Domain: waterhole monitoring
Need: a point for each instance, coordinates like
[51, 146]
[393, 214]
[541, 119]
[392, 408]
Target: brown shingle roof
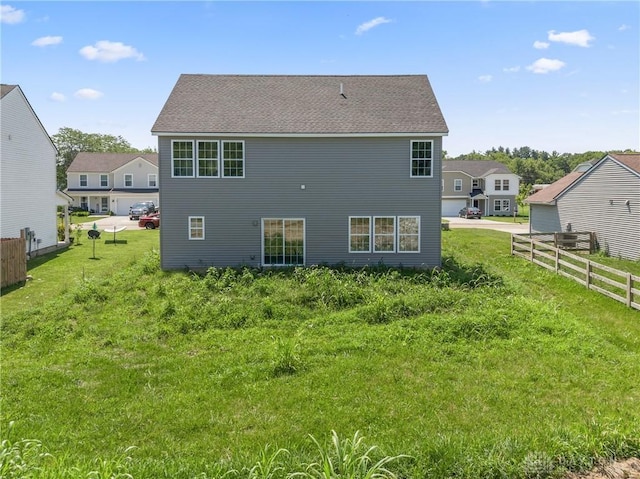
[297, 104]
[106, 162]
[475, 168]
[551, 192]
[631, 160]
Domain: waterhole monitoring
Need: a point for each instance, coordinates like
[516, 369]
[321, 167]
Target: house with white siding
[603, 198]
[485, 184]
[28, 193]
[112, 182]
[286, 170]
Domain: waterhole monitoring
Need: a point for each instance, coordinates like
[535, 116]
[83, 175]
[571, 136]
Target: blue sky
[554, 76]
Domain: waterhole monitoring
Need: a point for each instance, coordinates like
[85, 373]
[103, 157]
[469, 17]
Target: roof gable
[299, 105]
[86, 162]
[475, 168]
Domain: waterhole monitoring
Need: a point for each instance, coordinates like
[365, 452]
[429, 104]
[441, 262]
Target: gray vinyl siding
[342, 177]
[597, 203]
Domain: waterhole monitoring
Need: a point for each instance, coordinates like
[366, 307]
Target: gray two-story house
[283, 170]
[485, 184]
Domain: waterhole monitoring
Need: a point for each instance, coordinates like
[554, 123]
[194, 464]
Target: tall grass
[488, 367]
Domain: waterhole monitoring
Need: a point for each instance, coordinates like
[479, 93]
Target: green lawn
[491, 367]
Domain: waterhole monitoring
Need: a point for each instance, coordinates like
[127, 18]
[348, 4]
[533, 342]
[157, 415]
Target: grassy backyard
[491, 367]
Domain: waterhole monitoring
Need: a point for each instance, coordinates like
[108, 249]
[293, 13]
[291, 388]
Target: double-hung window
[359, 234]
[152, 180]
[208, 159]
[182, 158]
[501, 205]
[457, 185]
[384, 234]
[498, 185]
[196, 227]
[421, 158]
[83, 180]
[408, 234]
[233, 159]
[505, 185]
[128, 180]
[104, 181]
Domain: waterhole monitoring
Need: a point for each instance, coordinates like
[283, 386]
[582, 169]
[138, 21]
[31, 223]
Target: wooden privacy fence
[13, 257]
[616, 284]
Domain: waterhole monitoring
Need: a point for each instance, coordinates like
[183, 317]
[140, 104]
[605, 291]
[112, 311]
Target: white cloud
[88, 94]
[45, 41]
[55, 96]
[371, 24]
[580, 38]
[8, 14]
[546, 65]
[538, 45]
[511, 69]
[485, 78]
[108, 52]
[622, 28]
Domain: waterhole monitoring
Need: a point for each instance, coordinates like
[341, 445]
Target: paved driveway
[110, 221]
[455, 222]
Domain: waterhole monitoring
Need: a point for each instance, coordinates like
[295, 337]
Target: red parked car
[150, 222]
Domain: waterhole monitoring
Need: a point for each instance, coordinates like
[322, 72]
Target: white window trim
[497, 185]
[221, 161]
[197, 165]
[350, 235]
[457, 184]
[508, 205]
[100, 178]
[398, 234]
[86, 180]
[193, 159]
[155, 176]
[304, 241]
[124, 180]
[411, 175]
[190, 228]
[505, 185]
[373, 234]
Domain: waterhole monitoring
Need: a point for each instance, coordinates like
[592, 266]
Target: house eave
[298, 135]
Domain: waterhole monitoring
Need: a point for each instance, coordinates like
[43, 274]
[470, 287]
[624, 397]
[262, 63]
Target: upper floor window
[421, 158]
[233, 159]
[502, 185]
[457, 185]
[83, 180]
[104, 181]
[182, 158]
[208, 159]
[128, 180]
[152, 180]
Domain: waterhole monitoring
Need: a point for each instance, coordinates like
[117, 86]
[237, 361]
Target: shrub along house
[603, 198]
[297, 170]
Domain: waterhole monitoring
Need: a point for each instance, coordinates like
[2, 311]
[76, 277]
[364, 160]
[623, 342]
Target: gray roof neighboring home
[475, 168]
[4, 89]
[106, 162]
[301, 105]
[551, 193]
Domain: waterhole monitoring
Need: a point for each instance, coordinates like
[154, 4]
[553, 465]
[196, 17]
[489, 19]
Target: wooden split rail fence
[541, 250]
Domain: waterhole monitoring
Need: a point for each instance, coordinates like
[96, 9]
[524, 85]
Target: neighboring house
[487, 185]
[28, 197]
[603, 198]
[299, 170]
[112, 182]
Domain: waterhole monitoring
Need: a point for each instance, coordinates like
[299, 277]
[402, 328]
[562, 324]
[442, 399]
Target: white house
[28, 175]
[112, 182]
